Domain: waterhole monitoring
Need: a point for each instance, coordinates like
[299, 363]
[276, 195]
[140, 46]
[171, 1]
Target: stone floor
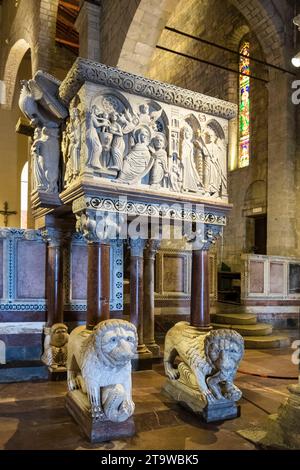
[33, 416]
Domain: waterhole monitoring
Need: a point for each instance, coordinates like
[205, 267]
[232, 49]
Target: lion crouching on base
[212, 358]
[99, 364]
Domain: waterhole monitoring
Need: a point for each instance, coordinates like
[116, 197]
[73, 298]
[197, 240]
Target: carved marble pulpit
[114, 148]
[128, 157]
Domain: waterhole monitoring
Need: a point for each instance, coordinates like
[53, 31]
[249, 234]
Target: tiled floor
[33, 415]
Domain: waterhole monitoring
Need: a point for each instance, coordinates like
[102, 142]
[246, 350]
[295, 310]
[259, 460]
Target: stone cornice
[84, 70]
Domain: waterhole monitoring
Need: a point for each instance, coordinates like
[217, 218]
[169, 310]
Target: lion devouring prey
[211, 358]
[99, 364]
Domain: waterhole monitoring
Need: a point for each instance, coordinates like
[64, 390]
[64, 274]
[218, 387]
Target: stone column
[150, 251]
[136, 292]
[98, 283]
[200, 290]
[56, 333]
[94, 228]
[54, 277]
[88, 26]
[201, 242]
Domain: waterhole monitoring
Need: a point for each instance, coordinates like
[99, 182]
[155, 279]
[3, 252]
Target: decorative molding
[131, 208]
[87, 70]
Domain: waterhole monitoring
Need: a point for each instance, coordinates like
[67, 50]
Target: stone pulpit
[130, 158]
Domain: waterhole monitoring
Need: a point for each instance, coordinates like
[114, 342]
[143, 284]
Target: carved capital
[54, 237]
[204, 237]
[137, 246]
[97, 226]
[151, 248]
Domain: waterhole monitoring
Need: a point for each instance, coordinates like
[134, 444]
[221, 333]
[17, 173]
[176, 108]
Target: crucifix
[6, 213]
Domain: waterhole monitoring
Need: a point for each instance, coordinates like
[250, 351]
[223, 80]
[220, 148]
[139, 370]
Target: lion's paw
[97, 413]
[233, 394]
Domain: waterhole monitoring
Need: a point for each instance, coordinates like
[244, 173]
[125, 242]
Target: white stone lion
[209, 360]
[99, 364]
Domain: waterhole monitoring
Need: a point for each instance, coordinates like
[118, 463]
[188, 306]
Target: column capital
[204, 237]
[54, 236]
[137, 246]
[96, 226]
[151, 248]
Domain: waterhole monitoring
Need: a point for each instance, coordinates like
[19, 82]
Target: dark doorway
[256, 230]
[260, 235]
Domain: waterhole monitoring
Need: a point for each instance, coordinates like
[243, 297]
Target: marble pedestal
[281, 430]
[142, 360]
[193, 401]
[95, 430]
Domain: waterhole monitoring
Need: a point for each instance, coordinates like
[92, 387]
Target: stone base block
[57, 374]
[281, 430]
[155, 350]
[23, 371]
[142, 361]
[193, 401]
[96, 430]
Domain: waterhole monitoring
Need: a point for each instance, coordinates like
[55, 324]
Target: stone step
[23, 371]
[266, 342]
[259, 329]
[233, 318]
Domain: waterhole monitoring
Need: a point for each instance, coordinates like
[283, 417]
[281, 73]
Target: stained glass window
[244, 105]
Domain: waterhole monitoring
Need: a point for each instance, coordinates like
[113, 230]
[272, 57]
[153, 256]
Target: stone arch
[266, 24]
[2, 352]
[143, 34]
[150, 19]
[256, 194]
[14, 59]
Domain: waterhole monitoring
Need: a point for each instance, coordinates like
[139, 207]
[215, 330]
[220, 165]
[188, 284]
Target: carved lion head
[115, 342]
[224, 350]
[59, 335]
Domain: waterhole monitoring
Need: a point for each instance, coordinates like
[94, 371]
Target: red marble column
[98, 283]
[149, 279]
[54, 278]
[200, 290]
[136, 291]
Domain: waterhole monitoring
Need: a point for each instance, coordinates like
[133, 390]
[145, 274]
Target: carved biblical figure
[213, 152]
[56, 346]
[191, 180]
[117, 144]
[138, 162]
[45, 159]
[209, 361]
[74, 146]
[99, 364]
[94, 146]
[159, 170]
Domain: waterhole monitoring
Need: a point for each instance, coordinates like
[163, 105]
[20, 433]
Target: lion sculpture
[56, 346]
[210, 361]
[99, 364]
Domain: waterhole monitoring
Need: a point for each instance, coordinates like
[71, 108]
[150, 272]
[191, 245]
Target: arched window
[24, 195]
[244, 106]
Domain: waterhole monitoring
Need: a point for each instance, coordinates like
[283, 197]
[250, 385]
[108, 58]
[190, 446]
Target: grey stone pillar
[282, 171]
[150, 251]
[88, 26]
